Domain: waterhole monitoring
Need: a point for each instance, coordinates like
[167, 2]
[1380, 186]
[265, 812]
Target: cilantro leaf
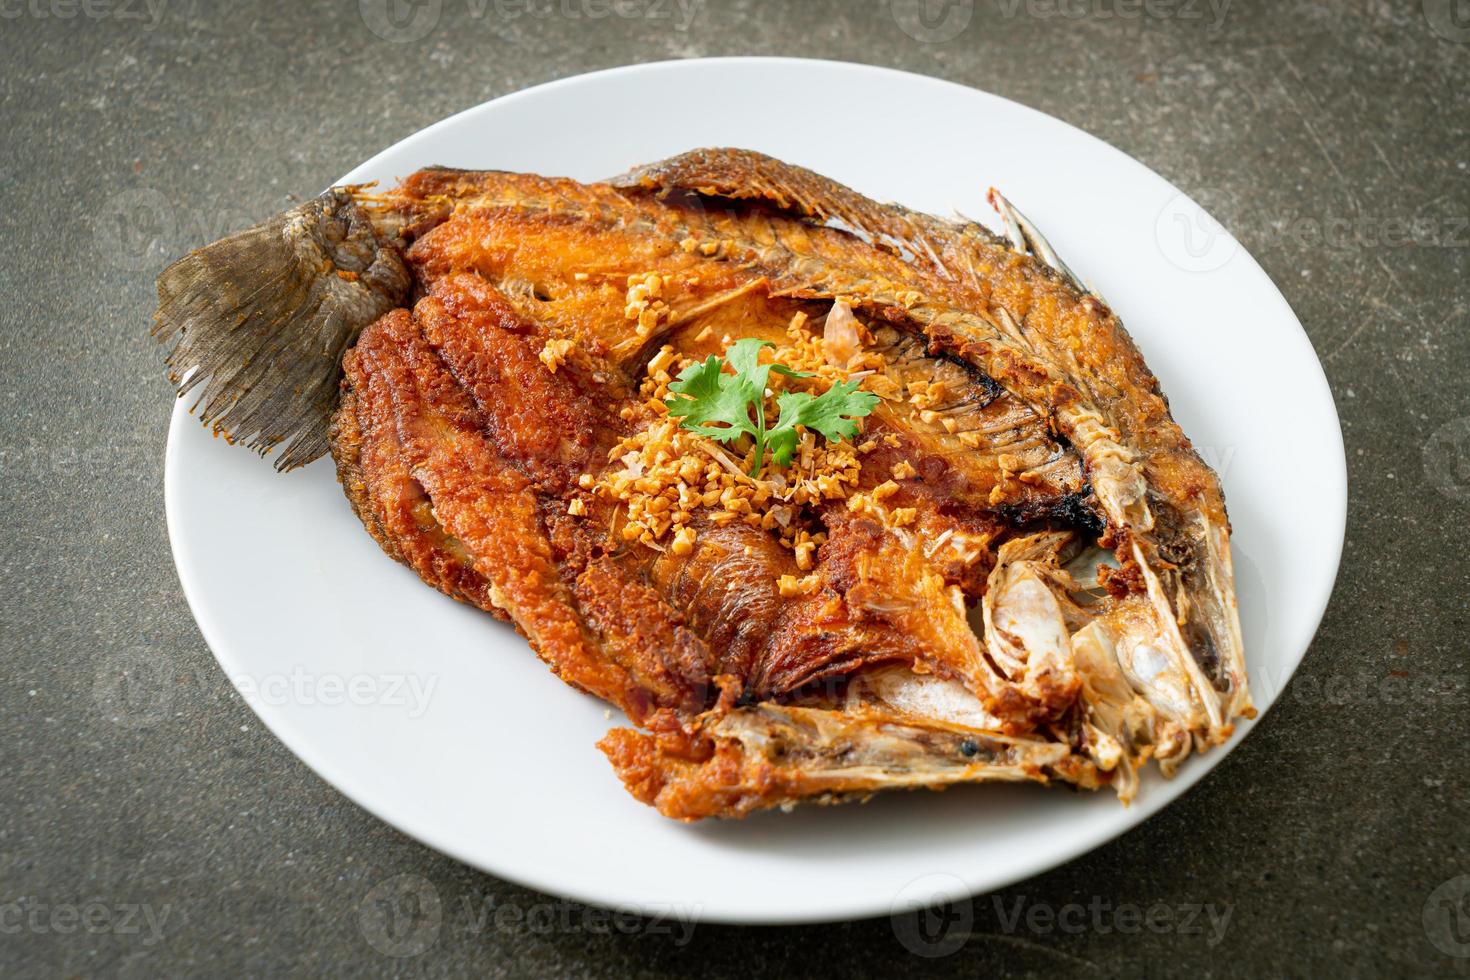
[831, 414]
[725, 407]
[744, 355]
[710, 395]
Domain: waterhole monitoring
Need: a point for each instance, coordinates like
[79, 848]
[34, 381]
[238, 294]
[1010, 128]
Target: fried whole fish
[1018, 570]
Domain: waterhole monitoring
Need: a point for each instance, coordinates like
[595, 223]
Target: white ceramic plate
[490, 759]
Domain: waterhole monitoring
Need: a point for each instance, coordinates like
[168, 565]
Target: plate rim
[959, 886]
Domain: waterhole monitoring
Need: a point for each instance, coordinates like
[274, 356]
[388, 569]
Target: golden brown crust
[393, 506]
[476, 433]
[481, 500]
[978, 271]
[469, 428]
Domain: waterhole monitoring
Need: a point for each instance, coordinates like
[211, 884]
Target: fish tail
[259, 321]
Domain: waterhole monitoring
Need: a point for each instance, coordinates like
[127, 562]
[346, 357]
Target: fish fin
[928, 241]
[745, 175]
[259, 321]
[1025, 238]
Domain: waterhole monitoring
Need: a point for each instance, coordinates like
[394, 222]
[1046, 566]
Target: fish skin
[396, 510]
[472, 492]
[1065, 353]
[433, 379]
[822, 263]
[499, 243]
[532, 228]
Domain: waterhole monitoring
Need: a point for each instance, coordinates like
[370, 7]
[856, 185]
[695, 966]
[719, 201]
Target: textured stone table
[181, 838]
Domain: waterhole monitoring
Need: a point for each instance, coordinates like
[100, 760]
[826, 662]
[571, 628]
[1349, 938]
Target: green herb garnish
[725, 407]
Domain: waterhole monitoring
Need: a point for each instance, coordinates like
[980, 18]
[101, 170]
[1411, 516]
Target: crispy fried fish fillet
[950, 612]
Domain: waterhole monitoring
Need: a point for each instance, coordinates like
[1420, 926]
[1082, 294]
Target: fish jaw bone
[769, 755]
[1118, 713]
[1217, 606]
[1135, 687]
[1026, 631]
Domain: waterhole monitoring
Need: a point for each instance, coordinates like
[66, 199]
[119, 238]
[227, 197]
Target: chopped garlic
[790, 585]
[683, 541]
[554, 354]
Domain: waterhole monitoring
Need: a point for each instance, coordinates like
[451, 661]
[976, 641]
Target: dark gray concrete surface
[1333, 138]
